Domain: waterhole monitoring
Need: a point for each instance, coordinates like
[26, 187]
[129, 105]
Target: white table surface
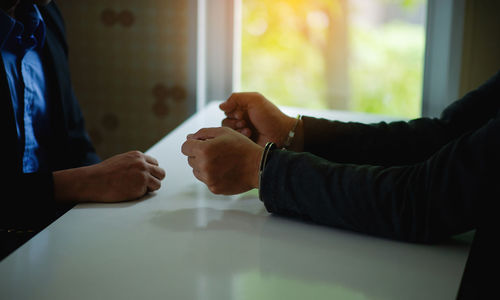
[184, 242]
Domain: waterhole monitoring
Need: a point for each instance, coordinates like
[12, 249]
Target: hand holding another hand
[225, 160]
[260, 120]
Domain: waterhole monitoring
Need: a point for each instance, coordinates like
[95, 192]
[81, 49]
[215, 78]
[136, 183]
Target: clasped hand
[227, 158]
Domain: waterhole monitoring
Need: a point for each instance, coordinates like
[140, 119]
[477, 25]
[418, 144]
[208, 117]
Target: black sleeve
[27, 207]
[29, 201]
[421, 202]
[400, 143]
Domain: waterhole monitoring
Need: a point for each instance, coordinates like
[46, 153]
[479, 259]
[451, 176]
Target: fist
[257, 118]
[122, 177]
[225, 160]
[126, 176]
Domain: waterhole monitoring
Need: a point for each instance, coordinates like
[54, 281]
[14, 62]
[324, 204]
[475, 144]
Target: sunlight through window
[357, 55]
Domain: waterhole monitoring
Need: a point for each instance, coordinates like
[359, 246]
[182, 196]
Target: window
[358, 55]
[376, 66]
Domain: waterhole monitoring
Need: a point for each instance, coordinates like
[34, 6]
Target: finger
[151, 160]
[233, 123]
[191, 161]
[190, 147]
[230, 104]
[239, 114]
[157, 172]
[245, 131]
[230, 115]
[199, 175]
[208, 133]
[153, 184]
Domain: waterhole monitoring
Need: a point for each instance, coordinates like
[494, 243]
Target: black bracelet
[263, 161]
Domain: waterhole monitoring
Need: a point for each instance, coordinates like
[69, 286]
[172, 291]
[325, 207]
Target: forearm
[28, 201]
[423, 202]
[70, 185]
[386, 144]
[46, 188]
[401, 143]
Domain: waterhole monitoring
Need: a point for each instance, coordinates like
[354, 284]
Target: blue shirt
[21, 41]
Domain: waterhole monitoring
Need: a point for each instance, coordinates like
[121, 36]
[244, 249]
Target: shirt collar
[28, 25]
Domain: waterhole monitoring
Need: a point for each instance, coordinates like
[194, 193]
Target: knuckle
[140, 166]
[153, 160]
[202, 168]
[210, 181]
[205, 151]
[142, 179]
[207, 178]
[156, 185]
[206, 168]
[214, 189]
[200, 131]
[135, 153]
[198, 175]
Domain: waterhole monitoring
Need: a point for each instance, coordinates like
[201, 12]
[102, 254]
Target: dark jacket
[27, 199]
[421, 181]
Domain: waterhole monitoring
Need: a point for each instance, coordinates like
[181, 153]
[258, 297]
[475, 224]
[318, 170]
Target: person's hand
[257, 118]
[122, 177]
[226, 161]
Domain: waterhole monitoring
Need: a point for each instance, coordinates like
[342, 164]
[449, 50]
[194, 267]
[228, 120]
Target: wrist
[256, 161]
[291, 133]
[263, 161]
[287, 126]
[297, 144]
[69, 185]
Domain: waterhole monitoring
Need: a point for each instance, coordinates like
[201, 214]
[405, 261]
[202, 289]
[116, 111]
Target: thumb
[231, 103]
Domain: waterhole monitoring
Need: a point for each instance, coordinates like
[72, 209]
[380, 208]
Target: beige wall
[481, 43]
[129, 68]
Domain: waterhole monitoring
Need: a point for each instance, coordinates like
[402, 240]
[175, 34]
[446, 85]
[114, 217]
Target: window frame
[443, 55]
[218, 59]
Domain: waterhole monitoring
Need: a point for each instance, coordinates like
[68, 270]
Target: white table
[183, 242]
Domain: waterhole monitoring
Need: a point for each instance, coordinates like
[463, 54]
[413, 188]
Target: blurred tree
[304, 43]
[313, 53]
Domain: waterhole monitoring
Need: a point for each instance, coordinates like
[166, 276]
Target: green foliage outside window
[314, 54]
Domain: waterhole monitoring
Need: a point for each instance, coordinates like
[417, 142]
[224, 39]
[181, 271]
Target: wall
[481, 43]
[130, 63]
